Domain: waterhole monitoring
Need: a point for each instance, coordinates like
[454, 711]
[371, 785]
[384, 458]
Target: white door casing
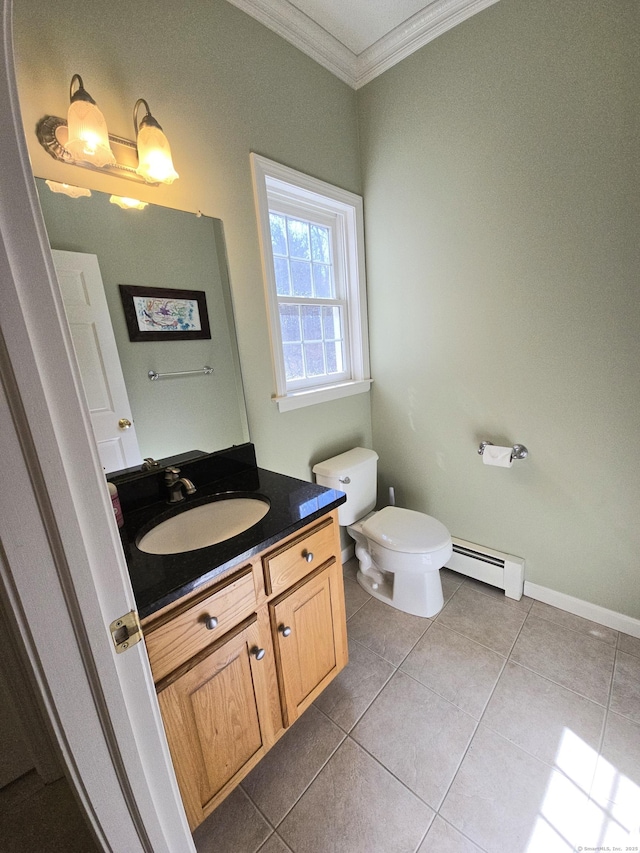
[95, 346]
[62, 569]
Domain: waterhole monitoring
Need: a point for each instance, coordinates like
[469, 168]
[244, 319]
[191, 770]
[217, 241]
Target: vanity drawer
[288, 564]
[183, 631]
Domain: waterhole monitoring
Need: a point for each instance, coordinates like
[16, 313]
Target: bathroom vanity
[242, 635]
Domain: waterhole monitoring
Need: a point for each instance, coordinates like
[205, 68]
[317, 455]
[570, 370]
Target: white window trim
[272, 178]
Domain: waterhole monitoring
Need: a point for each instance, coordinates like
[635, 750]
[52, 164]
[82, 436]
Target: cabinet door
[308, 625]
[218, 717]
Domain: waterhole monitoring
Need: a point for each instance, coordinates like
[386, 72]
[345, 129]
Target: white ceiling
[359, 23]
[359, 39]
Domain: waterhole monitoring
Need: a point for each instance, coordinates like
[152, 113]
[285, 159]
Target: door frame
[62, 568]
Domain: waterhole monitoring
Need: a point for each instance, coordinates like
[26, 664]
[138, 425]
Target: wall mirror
[161, 248]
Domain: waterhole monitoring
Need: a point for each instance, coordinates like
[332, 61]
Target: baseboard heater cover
[484, 564]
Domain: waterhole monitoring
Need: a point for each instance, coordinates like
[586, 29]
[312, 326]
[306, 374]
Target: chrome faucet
[175, 484]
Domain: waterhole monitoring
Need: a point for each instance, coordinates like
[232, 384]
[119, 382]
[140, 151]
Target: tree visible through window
[311, 317]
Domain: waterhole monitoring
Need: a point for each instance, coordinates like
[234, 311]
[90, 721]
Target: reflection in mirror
[161, 247]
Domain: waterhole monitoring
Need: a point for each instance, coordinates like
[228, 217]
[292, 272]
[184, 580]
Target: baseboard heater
[484, 564]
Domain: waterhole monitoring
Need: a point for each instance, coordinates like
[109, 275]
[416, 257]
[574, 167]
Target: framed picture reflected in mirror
[164, 314]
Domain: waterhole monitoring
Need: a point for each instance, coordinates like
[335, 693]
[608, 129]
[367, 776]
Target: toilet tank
[353, 472]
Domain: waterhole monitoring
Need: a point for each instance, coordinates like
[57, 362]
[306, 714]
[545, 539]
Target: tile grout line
[396, 669]
[464, 835]
[478, 723]
[392, 774]
[556, 683]
[492, 595]
[574, 630]
[551, 681]
[306, 788]
[280, 839]
[467, 637]
[436, 811]
[440, 696]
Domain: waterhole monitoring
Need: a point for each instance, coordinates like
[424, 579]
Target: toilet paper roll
[499, 456]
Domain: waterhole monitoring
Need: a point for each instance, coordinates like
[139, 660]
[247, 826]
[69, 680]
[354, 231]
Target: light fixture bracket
[49, 132]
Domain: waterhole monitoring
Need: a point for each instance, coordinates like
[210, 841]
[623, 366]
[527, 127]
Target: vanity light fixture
[128, 203]
[154, 153]
[83, 140]
[88, 137]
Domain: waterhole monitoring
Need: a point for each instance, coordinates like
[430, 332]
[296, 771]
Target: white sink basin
[203, 525]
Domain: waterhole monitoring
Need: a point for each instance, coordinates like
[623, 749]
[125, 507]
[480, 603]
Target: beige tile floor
[498, 726]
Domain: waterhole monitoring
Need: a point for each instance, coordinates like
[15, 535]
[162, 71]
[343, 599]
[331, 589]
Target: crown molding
[423, 27]
[283, 18]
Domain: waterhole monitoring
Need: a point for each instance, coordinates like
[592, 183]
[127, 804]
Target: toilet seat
[406, 531]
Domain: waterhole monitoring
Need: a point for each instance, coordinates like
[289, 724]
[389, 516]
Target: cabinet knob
[258, 653]
[308, 555]
[211, 622]
[285, 630]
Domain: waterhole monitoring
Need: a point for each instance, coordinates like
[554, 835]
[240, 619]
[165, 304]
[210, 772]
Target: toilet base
[419, 595]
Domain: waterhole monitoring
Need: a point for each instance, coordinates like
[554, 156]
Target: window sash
[302, 350]
[331, 349]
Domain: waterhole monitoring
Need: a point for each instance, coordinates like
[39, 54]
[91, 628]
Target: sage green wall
[500, 177]
[221, 85]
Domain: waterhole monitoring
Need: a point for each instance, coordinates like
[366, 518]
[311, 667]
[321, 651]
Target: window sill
[311, 396]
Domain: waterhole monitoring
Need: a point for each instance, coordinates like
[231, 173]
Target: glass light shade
[127, 203]
[88, 136]
[68, 189]
[154, 155]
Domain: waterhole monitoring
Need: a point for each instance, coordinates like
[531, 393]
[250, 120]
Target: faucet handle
[171, 474]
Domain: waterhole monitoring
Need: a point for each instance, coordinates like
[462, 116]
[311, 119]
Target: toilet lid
[407, 531]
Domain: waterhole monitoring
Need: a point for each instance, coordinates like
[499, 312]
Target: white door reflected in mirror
[95, 346]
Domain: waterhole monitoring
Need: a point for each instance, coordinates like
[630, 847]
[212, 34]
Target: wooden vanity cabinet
[218, 714]
[309, 640]
[239, 661]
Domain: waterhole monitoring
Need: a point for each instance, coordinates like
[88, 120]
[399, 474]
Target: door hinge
[126, 631]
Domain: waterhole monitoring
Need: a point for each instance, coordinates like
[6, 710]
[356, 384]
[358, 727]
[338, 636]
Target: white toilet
[400, 551]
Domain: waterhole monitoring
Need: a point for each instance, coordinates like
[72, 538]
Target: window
[311, 238]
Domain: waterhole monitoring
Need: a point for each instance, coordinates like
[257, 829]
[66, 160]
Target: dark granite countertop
[159, 580]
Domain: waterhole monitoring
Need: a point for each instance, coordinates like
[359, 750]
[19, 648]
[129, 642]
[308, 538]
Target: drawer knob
[211, 622]
[308, 555]
[285, 630]
[257, 653]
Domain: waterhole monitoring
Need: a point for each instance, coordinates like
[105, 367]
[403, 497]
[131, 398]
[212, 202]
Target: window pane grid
[313, 332]
[302, 257]
[312, 340]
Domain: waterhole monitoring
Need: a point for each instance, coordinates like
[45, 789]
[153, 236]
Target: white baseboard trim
[610, 618]
[593, 612]
[348, 553]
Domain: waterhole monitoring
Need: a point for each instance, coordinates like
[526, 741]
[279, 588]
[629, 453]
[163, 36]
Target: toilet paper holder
[518, 451]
